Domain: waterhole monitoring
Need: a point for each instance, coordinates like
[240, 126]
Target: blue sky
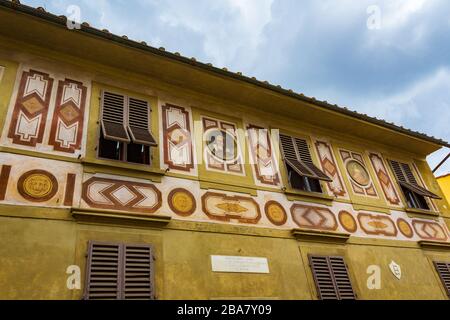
[398, 71]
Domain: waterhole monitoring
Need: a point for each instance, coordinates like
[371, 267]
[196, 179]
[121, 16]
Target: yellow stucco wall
[444, 183]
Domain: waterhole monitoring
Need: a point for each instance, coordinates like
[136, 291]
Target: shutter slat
[138, 122]
[443, 269]
[113, 117]
[138, 272]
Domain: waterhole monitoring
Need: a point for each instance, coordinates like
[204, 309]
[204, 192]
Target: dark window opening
[303, 183]
[109, 149]
[138, 153]
[129, 152]
[415, 200]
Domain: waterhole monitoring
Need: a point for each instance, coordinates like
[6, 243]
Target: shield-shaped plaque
[396, 270]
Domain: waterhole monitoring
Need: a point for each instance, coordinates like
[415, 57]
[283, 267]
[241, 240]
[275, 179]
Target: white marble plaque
[239, 264]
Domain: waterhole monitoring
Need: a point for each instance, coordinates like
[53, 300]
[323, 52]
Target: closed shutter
[103, 271]
[443, 270]
[405, 178]
[138, 272]
[113, 117]
[119, 271]
[297, 156]
[138, 122]
[331, 278]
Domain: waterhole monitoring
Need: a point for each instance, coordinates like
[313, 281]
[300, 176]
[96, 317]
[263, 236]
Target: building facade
[444, 183]
[131, 172]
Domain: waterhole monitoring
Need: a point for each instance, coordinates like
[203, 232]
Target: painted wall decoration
[37, 185]
[28, 181]
[262, 156]
[111, 194]
[329, 166]
[347, 221]
[219, 206]
[275, 213]
[182, 202]
[67, 124]
[358, 173]
[221, 146]
[31, 108]
[386, 183]
[429, 230]
[405, 228]
[312, 217]
[177, 138]
[377, 224]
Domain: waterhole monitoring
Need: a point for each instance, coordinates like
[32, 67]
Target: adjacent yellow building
[444, 183]
[129, 172]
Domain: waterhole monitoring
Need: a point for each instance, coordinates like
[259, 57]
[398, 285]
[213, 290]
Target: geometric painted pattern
[428, 230]
[68, 118]
[30, 111]
[314, 217]
[358, 174]
[373, 224]
[177, 142]
[262, 156]
[329, 166]
[121, 195]
[384, 179]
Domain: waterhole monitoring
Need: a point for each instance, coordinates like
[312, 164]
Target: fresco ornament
[373, 224]
[275, 213]
[221, 207]
[182, 202]
[429, 230]
[395, 269]
[347, 221]
[328, 164]
[37, 185]
[313, 217]
[385, 181]
[358, 174]
[405, 228]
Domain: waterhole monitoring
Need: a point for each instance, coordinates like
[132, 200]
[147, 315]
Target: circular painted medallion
[358, 173]
[222, 145]
[37, 185]
[275, 213]
[405, 228]
[182, 202]
[347, 221]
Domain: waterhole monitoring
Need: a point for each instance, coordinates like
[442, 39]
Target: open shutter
[341, 278]
[138, 279]
[296, 155]
[104, 269]
[331, 278]
[443, 270]
[138, 122]
[405, 178]
[113, 117]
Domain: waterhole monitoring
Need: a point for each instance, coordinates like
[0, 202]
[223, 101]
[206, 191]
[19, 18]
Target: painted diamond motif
[383, 177]
[329, 167]
[33, 105]
[124, 195]
[178, 136]
[69, 113]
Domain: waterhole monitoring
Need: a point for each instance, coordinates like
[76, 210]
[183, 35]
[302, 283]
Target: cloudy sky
[389, 59]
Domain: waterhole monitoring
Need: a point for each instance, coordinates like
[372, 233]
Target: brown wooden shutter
[119, 271]
[138, 280]
[297, 156]
[443, 270]
[103, 272]
[405, 178]
[138, 122]
[113, 117]
[331, 278]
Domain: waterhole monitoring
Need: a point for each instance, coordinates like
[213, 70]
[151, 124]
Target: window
[125, 132]
[302, 173]
[413, 192]
[119, 271]
[443, 270]
[331, 277]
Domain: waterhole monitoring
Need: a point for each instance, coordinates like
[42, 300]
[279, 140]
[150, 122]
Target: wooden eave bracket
[119, 218]
[434, 245]
[320, 236]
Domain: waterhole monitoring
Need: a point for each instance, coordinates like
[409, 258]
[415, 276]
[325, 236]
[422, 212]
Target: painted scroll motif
[262, 156]
[177, 138]
[31, 108]
[313, 217]
[358, 174]
[329, 166]
[68, 118]
[385, 181]
[221, 146]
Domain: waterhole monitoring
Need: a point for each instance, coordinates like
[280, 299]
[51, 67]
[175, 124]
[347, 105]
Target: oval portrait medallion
[275, 213]
[347, 221]
[37, 185]
[222, 145]
[182, 202]
[358, 173]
